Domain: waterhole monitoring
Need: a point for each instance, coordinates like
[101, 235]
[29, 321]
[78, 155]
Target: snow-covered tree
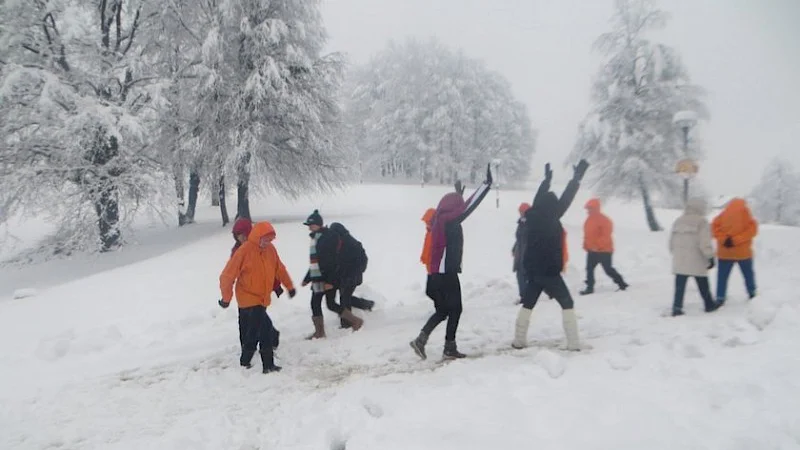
[420, 109]
[267, 101]
[628, 134]
[776, 198]
[75, 103]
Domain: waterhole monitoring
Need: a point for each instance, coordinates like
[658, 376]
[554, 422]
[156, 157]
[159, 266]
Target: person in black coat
[351, 262]
[544, 256]
[518, 251]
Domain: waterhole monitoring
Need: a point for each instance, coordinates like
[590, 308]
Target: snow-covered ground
[129, 350]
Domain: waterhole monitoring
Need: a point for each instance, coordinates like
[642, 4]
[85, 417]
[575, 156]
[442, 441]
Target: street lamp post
[496, 163]
[685, 120]
[422, 171]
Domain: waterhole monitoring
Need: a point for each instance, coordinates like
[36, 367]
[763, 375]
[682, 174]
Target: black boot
[451, 351]
[587, 291]
[268, 362]
[418, 344]
[622, 285]
[276, 339]
[246, 358]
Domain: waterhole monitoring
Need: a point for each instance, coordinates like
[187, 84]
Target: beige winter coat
[690, 241]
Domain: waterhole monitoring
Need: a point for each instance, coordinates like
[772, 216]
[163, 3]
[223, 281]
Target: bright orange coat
[736, 222]
[254, 270]
[425, 258]
[597, 230]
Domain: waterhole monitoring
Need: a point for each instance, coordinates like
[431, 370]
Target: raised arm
[477, 197]
[544, 188]
[572, 187]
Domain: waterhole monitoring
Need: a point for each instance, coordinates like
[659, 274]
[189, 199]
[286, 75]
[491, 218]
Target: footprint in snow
[551, 362]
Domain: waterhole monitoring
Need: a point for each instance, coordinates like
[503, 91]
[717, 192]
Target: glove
[222, 303]
[548, 173]
[711, 263]
[292, 293]
[460, 188]
[580, 170]
[728, 242]
[278, 291]
[489, 178]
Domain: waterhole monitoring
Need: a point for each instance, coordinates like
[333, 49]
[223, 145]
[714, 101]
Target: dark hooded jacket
[544, 255]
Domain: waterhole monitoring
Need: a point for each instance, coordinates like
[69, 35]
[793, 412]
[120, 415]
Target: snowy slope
[139, 355]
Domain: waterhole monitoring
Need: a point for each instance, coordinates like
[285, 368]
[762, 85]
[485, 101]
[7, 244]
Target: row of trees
[110, 105]
[776, 198]
[628, 133]
[420, 110]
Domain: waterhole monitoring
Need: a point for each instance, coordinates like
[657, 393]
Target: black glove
[711, 263]
[489, 178]
[223, 304]
[292, 293]
[460, 187]
[728, 242]
[278, 291]
[548, 173]
[580, 170]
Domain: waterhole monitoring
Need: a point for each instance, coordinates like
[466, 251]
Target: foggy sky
[746, 53]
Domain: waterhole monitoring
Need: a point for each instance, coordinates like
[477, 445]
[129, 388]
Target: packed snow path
[141, 356]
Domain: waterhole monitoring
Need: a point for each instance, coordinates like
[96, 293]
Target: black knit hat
[314, 219]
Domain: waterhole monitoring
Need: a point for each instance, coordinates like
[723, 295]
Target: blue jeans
[680, 291]
[724, 272]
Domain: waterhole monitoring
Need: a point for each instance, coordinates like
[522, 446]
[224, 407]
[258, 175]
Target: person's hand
[580, 169]
[305, 283]
[292, 293]
[548, 173]
[728, 242]
[711, 263]
[222, 303]
[460, 187]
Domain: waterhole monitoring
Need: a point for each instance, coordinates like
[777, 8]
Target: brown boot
[354, 320]
[319, 328]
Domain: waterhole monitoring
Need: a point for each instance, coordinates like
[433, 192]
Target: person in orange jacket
[599, 245]
[253, 268]
[734, 229]
[425, 257]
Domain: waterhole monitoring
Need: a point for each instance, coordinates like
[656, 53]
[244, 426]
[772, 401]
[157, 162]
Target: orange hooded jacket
[736, 222]
[597, 230]
[425, 258]
[254, 271]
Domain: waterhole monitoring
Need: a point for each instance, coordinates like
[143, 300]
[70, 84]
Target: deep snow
[130, 350]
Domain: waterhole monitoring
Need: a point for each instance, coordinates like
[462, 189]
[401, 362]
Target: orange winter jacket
[736, 222]
[425, 258]
[254, 270]
[597, 230]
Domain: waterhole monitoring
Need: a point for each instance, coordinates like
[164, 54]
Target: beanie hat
[314, 219]
[242, 226]
[524, 207]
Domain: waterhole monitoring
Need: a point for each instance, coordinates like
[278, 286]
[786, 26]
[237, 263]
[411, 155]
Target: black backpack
[351, 254]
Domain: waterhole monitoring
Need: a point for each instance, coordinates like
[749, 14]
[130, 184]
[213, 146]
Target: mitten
[711, 263]
[292, 293]
[580, 170]
[548, 173]
[223, 304]
[728, 242]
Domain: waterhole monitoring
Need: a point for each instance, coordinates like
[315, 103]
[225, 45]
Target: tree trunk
[180, 192]
[194, 189]
[243, 189]
[223, 208]
[652, 222]
[105, 193]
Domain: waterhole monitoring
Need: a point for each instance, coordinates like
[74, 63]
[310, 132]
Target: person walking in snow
[253, 268]
[446, 251]
[545, 257]
[323, 274]
[241, 230]
[518, 251]
[692, 254]
[599, 245]
[734, 230]
[351, 263]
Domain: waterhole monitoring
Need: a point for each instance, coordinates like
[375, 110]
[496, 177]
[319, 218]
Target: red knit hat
[242, 226]
[524, 207]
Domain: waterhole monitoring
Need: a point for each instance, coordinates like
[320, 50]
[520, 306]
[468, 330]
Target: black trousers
[256, 332]
[680, 290]
[445, 291]
[553, 286]
[330, 302]
[603, 259]
[347, 300]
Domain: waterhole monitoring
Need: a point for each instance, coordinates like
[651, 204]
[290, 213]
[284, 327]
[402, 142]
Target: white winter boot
[571, 329]
[521, 328]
